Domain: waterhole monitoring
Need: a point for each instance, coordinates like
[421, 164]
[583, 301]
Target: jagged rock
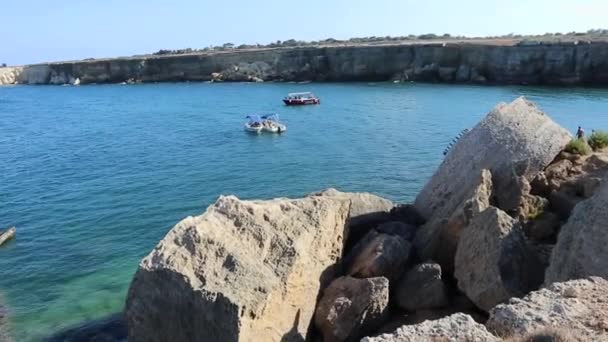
[242, 271]
[559, 170]
[581, 248]
[509, 134]
[563, 202]
[422, 288]
[407, 213]
[579, 306]
[493, 262]
[455, 328]
[351, 308]
[398, 228]
[377, 255]
[444, 240]
[366, 212]
[590, 186]
[531, 207]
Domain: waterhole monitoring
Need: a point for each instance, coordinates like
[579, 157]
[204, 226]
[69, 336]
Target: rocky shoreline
[559, 63]
[504, 243]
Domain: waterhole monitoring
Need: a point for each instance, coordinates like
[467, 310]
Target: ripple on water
[94, 176]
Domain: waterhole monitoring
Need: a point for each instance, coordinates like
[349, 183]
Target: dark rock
[378, 255]
[404, 230]
[422, 288]
[563, 201]
[110, 329]
[544, 227]
[352, 308]
[407, 213]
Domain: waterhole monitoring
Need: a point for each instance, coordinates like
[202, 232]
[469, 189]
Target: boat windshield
[306, 95]
[254, 118]
[271, 117]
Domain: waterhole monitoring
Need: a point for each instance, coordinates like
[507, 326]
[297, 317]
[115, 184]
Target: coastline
[500, 62]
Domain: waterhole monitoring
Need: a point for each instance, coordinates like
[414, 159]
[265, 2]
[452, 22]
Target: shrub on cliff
[578, 146]
[598, 140]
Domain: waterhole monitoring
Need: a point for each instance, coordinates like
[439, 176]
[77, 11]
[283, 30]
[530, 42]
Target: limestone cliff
[551, 64]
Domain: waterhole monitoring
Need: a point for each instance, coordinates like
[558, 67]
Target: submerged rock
[351, 308]
[455, 328]
[581, 248]
[422, 288]
[494, 262]
[109, 329]
[242, 271]
[578, 306]
[515, 138]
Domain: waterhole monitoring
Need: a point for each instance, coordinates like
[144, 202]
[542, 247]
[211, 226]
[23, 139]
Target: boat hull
[295, 102]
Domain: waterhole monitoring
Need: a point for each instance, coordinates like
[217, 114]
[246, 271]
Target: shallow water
[94, 176]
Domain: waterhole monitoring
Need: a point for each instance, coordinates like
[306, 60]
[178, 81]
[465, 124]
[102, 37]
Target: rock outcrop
[455, 328]
[578, 306]
[366, 212]
[493, 261]
[581, 249]
[475, 62]
[352, 308]
[421, 288]
[242, 271]
[514, 142]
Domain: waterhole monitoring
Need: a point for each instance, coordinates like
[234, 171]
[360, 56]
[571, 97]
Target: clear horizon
[40, 31]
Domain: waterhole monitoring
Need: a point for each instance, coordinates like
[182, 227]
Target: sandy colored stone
[378, 255]
[578, 306]
[242, 271]
[582, 244]
[455, 328]
[493, 261]
[351, 308]
[513, 138]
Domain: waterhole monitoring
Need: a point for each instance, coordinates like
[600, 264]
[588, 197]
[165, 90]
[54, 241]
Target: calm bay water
[93, 177]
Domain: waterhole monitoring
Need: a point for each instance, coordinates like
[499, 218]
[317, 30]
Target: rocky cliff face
[556, 64]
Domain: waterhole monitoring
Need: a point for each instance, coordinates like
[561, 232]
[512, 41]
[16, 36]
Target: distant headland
[550, 59]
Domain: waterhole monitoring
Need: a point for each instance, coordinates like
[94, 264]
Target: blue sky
[50, 30]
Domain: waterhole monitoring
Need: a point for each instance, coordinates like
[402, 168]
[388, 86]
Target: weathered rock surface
[581, 249]
[441, 236]
[455, 328]
[407, 213]
[579, 306]
[242, 271]
[351, 308]
[514, 141]
[564, 64]
[493, 261]
[366, 212]
[378, 255]
[422, 288]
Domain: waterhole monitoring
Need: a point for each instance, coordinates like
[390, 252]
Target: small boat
[272, 124]
[297, 99]
[254, 124]
[265, 123]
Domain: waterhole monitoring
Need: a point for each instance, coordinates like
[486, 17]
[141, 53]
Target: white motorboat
[265, 123]
[254, 125]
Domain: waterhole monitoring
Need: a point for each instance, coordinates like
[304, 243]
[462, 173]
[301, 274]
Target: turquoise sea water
[94, 176]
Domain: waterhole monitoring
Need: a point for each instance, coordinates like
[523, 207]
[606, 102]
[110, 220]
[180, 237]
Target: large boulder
[514, 141]
[378, 255]
[242, 271]
[422, 288]
[578, 306]
[455, 328]
[439, 237]
[352, 308]
[494, 262]
[581, 244]
[366, 212]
